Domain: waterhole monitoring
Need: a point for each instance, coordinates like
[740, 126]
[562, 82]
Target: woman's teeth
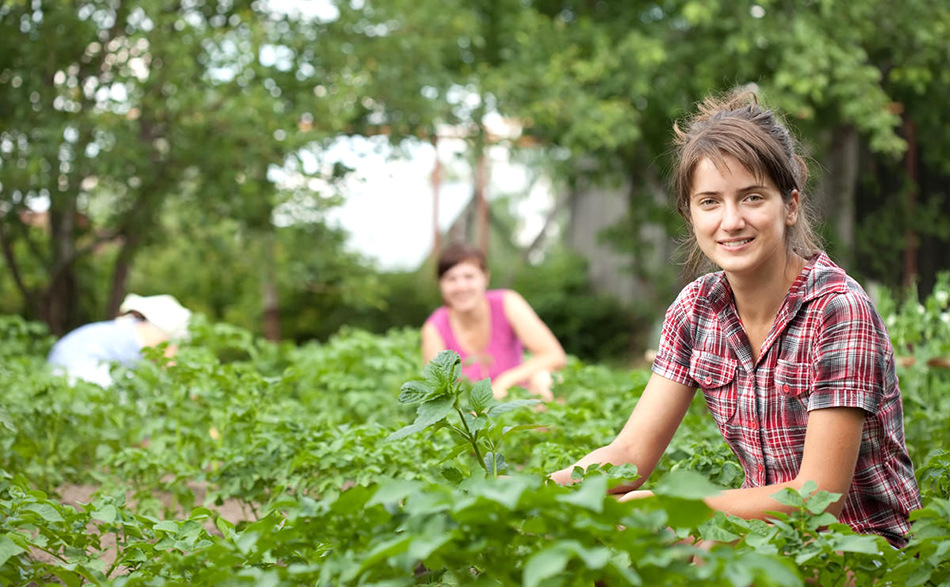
[732, 244]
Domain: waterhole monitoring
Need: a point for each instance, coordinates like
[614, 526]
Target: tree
[112, 111]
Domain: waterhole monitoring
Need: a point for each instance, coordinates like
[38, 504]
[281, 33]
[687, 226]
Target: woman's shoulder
[499, 294]
[829, 281]
[709, 288]
[438, 316]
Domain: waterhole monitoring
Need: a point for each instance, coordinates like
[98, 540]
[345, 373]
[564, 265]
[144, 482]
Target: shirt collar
[823, 278]
[819, 277]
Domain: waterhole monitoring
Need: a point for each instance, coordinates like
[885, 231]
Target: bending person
[793, 359]
[489, 329]
[89, 351]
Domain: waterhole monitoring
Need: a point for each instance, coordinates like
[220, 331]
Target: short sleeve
[676, 339]
[853, 355]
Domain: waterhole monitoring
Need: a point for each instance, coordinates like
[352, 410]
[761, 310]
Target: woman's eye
[754, 197]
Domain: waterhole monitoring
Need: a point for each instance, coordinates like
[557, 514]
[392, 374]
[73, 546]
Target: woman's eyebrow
[751, 188]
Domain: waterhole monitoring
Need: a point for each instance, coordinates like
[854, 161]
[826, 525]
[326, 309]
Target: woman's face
[740, 222]
[463, 286]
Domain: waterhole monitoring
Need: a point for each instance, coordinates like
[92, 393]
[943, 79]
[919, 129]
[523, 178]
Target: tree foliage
[114, 115]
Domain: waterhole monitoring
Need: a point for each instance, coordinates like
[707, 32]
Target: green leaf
[415, 391]
[427, 414]
[458, 449]
[543, 565]
[69, 577]
[247, 541]
[789, 497]
[589, 495]
[717, 534]
[452, 475]
[686, 485]
[406, 431]
[7, 422]
[552, 561]
[480, 396]
[105, 514]
[505, 491]
[167, 526]
[45, 511]
[819, 501]
[444, 369]
[681, 513]
[8, 549]
[394, 491]
[425, 545]
[855, 543]
[512, 405]
[594, 558]
[506, 430]
[224, 526]
[200, 513]
[386, 549]
[494, 463]
[433, 411]
[476, 423]
[808, 488]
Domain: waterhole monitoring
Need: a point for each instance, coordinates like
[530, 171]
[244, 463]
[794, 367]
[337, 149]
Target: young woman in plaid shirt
[794, 361]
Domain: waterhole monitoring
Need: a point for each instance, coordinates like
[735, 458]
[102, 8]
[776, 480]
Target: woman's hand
[562, 477]
[500, 386]
[638, 494]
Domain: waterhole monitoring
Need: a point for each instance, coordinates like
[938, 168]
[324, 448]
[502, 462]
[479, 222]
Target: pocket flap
[791, 378]
[710, 370]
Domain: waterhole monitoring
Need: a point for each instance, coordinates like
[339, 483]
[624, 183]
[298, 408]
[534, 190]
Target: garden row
[306, 440]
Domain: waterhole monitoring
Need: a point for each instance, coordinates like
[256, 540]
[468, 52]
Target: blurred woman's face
[463, 286]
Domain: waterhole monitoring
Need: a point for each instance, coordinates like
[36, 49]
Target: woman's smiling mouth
[735, 243]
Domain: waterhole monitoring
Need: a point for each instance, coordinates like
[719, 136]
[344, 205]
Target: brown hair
[457, 253]
[737, 125]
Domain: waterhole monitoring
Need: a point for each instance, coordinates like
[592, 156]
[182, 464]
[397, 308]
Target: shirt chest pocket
[793, 383]
[716, 376]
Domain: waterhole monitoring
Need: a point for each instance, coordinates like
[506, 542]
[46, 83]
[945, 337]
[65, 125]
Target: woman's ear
[792, 206]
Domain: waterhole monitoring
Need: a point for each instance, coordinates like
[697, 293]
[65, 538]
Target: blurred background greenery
[146, 146]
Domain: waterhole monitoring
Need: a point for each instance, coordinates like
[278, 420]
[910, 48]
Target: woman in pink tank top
[489, 329]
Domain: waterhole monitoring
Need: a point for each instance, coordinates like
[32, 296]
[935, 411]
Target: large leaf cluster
[340, 485]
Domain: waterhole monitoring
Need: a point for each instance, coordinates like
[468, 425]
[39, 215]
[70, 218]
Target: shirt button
[708, 380]
[761, 468]
[785, 388]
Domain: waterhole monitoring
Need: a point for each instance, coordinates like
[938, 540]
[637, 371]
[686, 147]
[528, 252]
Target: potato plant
[354, 464]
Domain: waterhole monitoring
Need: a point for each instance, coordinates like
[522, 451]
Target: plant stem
[49, 552]
[471, 438]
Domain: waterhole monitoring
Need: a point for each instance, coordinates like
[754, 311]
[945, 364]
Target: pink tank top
[504, 350]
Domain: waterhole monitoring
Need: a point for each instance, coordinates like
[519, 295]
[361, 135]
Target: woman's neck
[759, 297]
[471, 316]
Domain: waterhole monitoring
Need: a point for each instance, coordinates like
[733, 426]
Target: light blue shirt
[87, 351]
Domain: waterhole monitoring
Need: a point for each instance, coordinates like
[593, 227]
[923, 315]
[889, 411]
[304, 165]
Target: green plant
[443, 393]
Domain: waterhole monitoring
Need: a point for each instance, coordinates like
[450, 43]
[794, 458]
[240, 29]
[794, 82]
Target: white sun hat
[163, 311]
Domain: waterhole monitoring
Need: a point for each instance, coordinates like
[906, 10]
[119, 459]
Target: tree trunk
[910, 237]
[436, 189]
[839, 184]
[481, 183]
[60, 298]
[270, 298]
[120, 276]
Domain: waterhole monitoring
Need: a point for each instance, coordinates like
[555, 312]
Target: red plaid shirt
[827, 348]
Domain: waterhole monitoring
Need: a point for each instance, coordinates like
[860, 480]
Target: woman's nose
[732, 218]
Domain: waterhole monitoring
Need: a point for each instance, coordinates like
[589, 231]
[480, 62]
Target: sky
[388, 201]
